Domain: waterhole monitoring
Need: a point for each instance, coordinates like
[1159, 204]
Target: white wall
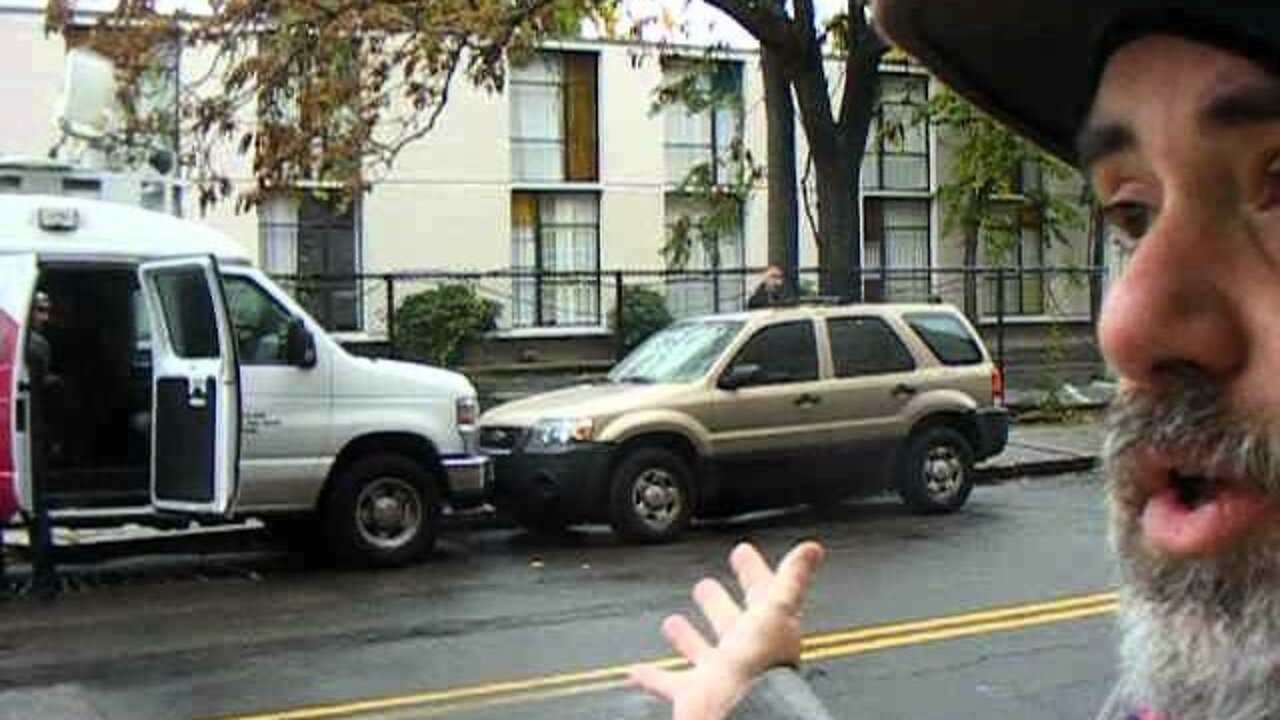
[31, 84]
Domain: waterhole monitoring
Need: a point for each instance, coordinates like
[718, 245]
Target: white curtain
[278, 233]
[570, 243]
[906, 236]
[537, 114]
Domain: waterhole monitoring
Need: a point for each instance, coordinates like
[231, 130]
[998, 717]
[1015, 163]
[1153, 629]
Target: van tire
[663, 515]
[382, 511]
[935, 473]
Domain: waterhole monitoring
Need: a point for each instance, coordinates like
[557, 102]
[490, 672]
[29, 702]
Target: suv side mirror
[740, 376]
[300, 346]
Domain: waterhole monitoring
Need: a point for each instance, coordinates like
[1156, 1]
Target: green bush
[435, 325]
[644, 312]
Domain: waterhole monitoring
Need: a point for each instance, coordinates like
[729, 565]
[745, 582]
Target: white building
[569, 170]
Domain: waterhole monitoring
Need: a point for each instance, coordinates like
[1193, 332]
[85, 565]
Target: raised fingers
[717, 605]
[751, 569]
[684, 637]
[793, 576]
[663, 683]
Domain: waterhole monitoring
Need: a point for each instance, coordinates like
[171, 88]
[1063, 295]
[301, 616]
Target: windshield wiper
[636, 379]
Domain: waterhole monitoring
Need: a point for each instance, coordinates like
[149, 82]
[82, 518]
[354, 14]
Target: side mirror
[740, 376]
[300, 346]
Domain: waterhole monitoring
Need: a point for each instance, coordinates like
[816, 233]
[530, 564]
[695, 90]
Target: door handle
[904, 390]
[196, 397]
[808, 400]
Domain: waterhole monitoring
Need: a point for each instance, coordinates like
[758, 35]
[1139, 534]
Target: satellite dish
[88, 94]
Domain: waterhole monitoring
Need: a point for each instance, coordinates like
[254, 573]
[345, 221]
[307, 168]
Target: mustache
[1189, 415]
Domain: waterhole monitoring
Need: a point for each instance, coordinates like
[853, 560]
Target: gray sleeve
[780, 694]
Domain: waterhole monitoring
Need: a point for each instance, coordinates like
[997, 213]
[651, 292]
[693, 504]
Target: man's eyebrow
[1246, 105]
[1098, 140]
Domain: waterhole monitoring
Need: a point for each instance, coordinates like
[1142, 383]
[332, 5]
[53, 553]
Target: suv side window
[261, 325]
[866, 346]
[786, 352]
[947, 337]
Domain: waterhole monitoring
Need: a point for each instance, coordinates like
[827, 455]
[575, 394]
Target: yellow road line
[816, 647]
[996, 614]
[857, 648]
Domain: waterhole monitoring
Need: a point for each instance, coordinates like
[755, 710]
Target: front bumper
[469, 479]
[993, 431]
[568, 485]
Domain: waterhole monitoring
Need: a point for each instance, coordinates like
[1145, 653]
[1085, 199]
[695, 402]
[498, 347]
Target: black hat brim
[1033, 63]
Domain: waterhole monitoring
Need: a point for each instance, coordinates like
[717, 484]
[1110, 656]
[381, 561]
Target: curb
[996, 474]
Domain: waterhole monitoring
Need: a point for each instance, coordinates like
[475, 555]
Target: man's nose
[1173, 306]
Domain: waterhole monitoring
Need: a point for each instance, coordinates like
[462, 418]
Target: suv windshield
[681, 353]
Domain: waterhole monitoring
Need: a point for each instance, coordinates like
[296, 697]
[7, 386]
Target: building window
[895, 257]
[897, 156]
[702, 129]
[555, 248]
[700, 287]
[1023, 279]
[310, 235]
[554, 118]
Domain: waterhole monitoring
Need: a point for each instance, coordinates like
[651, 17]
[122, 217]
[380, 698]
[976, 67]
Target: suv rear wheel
[651, 496]
[384, 511]
[935, 474]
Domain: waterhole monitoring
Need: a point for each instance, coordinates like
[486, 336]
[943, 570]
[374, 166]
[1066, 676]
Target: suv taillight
[8, 356]
[997, 385]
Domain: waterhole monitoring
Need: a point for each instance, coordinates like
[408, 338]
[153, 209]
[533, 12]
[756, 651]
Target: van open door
[17, 287]
[195, 437]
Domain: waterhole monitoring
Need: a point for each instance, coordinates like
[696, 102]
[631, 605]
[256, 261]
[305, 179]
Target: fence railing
[1003, 301]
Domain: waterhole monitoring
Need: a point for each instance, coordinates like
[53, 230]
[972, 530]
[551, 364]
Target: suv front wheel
[935, 474]
[651, 496]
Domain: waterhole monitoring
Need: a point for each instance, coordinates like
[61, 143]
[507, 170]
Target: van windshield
[681, 353]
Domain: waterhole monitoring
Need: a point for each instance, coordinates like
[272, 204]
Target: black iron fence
[1025, 313]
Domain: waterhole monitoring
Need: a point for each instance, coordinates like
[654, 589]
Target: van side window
[947, 337]
[786, 352]
[261, 325]
[188, 313]
[866, 346]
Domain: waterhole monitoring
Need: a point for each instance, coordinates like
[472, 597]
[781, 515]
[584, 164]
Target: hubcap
[656, 498]
[388, 513]
[943, 472]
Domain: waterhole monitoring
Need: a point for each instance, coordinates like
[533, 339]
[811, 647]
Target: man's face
[773, 278]
[1183, 150]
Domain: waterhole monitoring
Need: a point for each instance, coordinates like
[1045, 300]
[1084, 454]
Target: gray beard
[1201, 636]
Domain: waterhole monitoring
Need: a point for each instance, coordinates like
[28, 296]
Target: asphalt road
[1002, 610]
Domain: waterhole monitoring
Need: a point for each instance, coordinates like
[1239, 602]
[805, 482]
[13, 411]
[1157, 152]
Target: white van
[185, 383]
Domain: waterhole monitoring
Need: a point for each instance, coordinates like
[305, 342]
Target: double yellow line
[823, 646]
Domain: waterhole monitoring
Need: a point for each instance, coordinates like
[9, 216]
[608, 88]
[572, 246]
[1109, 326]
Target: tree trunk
[784, 217]
[838, 217]
[971, 270]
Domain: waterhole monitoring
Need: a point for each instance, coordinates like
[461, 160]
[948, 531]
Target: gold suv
[727, 413]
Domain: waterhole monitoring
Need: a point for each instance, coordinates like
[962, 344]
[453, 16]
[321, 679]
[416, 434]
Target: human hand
[764, 635]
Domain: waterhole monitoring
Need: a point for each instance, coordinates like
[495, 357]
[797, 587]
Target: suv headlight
[466, 411]
[559, 434]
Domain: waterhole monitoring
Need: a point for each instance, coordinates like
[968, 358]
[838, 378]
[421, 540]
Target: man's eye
[1271, 187]
[1128, 220]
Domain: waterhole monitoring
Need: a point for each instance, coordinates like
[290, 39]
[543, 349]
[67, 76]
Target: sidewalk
[1047, 449]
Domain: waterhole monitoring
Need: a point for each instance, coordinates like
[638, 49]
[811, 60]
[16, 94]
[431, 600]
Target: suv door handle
[808, 400]
[196, 397]
[904, 390]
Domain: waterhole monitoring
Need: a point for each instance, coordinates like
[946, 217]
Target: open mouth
[1189, 511]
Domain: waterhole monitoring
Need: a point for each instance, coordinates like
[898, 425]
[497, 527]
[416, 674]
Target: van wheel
[935, 474]
[384, 511]
[651, 496]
